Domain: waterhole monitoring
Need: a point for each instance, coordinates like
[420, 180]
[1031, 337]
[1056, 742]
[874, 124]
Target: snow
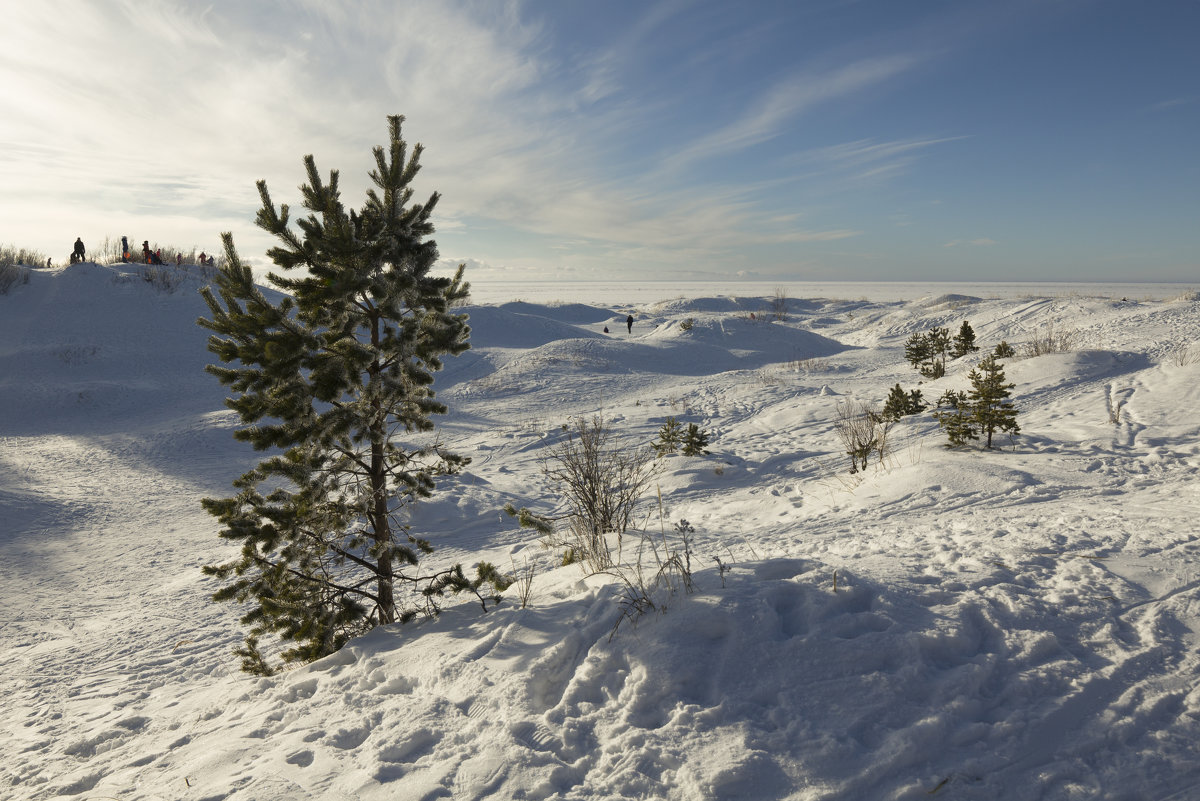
[1017, 624]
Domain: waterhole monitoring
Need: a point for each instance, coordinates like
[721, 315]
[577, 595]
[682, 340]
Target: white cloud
[180, 108]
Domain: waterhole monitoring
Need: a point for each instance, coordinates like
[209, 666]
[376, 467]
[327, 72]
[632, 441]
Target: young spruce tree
[327, 379]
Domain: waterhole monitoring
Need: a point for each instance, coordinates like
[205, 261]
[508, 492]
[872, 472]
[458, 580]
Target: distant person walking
[124, 248]
[629, 323]
[146, 251]
[80, 251]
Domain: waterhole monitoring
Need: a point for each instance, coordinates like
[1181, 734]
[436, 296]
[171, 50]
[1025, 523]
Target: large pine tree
[328, 379]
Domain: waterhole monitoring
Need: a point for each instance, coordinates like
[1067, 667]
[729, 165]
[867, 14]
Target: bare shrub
[883, 430]
[12, 255]
[1050, 340]
[769, 378]
[164, 279]
[601, 482]
[863, 432]
[809, 365]
[12, 275]
[1114, 407]
[1184, 355]
[778, 304]
[522, 581]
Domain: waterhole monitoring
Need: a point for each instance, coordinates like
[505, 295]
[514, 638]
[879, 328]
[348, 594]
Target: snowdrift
[1020, 623]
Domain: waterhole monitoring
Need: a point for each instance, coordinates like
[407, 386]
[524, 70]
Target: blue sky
[673, 140]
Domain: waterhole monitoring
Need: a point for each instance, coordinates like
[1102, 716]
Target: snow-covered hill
[1015, 624]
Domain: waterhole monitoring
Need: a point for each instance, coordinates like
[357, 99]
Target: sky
[631, 139]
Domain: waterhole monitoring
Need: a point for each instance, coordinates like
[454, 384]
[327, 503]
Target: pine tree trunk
[381, 531]
[381, 527]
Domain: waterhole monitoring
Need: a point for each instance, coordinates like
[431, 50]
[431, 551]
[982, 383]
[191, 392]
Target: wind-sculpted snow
[951, 301]
[1013, 624]
[501, 328]
[573, 313]
[657, 345]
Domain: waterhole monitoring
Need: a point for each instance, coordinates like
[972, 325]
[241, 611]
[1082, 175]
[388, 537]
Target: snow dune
[1016, 624]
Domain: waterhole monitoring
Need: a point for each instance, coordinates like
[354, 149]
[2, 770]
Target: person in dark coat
[629, 323]
[124, 248]
[80, 251]
[146, 251]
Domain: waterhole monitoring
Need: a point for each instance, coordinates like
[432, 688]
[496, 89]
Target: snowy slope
[1015, 624]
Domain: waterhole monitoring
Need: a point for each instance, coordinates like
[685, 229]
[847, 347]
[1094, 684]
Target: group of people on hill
[79, 254]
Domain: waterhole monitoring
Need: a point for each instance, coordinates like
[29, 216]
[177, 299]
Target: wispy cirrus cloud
[1174, 103]
[867, 158]
[769, 112]
[590, 156]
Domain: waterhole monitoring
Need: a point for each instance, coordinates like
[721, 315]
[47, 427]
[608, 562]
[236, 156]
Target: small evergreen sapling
[694, 441]
[989, 400]
[927, 352]
[901, 404]
[670, 437]
[964, 341]
[917, 349]
[939, 345]
[956, 419]
[984, 410]
[952, 398]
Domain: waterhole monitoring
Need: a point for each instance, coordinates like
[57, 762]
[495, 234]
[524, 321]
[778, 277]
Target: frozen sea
[642, 292]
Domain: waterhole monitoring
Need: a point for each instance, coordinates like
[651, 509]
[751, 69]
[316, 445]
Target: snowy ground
[1016, 624]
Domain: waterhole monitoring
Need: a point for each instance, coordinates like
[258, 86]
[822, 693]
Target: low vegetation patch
[1050, 339]
[12, 275]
